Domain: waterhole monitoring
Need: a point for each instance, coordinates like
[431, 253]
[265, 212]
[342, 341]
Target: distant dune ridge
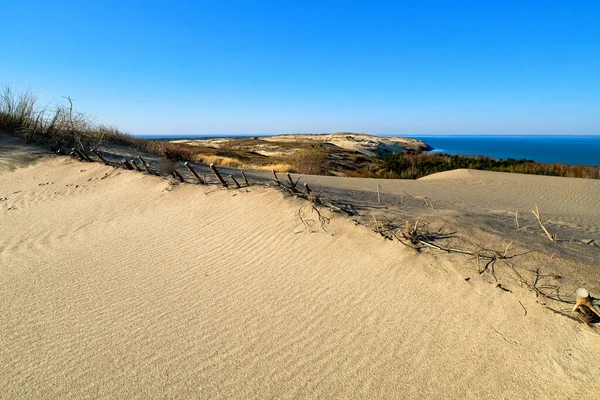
[371, 145]
[117, 284]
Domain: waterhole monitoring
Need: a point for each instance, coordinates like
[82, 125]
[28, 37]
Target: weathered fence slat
[127, 165]
[177, 175]
[291, 180]
[214, 170]
[97, 154]
[191, 169]
[137, 167]
[307, 189]
[245, 179]
[235, 181]
[146, 166]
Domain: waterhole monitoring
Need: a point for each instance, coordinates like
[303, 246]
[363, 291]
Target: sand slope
[115, 284]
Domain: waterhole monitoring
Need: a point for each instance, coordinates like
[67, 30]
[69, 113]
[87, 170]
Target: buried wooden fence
[145, 166]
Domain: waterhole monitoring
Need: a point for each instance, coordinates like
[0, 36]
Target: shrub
[312, 161]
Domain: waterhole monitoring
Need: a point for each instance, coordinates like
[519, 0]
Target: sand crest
[116, 284]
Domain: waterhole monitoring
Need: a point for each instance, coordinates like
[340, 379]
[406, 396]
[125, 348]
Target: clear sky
[262, 67]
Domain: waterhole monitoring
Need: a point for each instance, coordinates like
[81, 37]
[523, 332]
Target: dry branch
[539, 218]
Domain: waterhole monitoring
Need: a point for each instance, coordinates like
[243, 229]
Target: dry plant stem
[537, 215]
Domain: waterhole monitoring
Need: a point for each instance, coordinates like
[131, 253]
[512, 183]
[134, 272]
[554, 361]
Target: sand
[116, 284]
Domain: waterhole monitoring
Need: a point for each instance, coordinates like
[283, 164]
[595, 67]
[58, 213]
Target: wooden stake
[245, 179]
[191, 169]
[137, 167]
[127, 165]
[307, 189]
[146, 166]
[177, 175]
[78, 154]
[219, 178]
[85, 155]
[97, 154]
[584, 299]
[235, 181]
[291, 180]
[275, 175]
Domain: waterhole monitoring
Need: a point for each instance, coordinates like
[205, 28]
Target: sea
[567, 149]
[573, 150]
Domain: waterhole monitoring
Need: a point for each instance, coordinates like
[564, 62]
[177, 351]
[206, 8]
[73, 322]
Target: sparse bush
[312, 161]
[56, 127]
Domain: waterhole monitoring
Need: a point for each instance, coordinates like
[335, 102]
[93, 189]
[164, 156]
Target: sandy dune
[116, 284]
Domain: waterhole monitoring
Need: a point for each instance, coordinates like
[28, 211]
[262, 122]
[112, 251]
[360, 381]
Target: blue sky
[264, 67]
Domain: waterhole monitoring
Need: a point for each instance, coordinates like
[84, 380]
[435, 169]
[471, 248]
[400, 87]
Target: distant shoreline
[548, 149]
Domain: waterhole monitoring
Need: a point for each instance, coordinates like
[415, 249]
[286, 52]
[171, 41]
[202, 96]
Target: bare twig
[539, 218]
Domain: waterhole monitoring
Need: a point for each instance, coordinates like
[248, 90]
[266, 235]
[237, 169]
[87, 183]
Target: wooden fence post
[146, 166]
[245, 179]
[127, 165]
[214, 170]
[79, 154]
[191, 169]
[97, 154]
[86, 155]
[291, 180]
[275, 175]
[177, 175]
[235, 181]
[137, 167]
[307, 189]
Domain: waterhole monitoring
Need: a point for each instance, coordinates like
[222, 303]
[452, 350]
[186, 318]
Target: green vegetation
[413, 166]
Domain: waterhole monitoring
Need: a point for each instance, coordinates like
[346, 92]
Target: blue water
[574, 150]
